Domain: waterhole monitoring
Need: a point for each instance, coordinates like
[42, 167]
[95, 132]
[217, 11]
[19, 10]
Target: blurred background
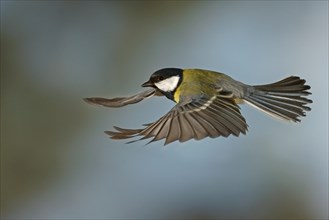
[57, 163]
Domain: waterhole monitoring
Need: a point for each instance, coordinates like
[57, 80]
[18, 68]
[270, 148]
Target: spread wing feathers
[283, 99]
[121, 101]
[205, 117]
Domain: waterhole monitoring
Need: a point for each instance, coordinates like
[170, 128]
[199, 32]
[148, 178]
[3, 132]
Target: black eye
[161, 78]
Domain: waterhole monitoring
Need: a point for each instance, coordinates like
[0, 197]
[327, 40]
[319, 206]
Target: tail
[283, 99]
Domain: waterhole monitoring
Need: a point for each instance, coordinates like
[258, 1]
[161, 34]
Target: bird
[207, 104]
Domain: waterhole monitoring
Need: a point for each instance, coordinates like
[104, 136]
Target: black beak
[148, 84]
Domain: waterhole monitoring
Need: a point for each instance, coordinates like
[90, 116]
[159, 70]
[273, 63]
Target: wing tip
[91, 100]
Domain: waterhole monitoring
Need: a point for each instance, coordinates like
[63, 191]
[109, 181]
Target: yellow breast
[196, 82]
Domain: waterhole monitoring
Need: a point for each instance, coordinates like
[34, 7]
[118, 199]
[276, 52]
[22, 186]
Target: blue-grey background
[56, 162]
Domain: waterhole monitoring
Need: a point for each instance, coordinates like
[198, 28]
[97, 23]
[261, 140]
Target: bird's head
[166, 80]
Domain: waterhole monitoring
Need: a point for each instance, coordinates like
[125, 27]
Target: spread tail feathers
[283, 99]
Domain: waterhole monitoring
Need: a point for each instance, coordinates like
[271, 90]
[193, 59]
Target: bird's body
[207, 104]
[196, 82]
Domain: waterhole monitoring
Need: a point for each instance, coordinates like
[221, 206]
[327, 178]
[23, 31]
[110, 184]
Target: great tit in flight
[207, 104]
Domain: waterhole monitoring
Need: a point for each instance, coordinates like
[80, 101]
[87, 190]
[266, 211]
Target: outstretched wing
[122, 101]
[196, 119]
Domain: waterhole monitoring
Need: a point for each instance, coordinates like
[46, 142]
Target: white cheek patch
[168, 85]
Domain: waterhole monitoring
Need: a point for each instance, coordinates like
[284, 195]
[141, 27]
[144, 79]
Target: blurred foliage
[57, 163]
